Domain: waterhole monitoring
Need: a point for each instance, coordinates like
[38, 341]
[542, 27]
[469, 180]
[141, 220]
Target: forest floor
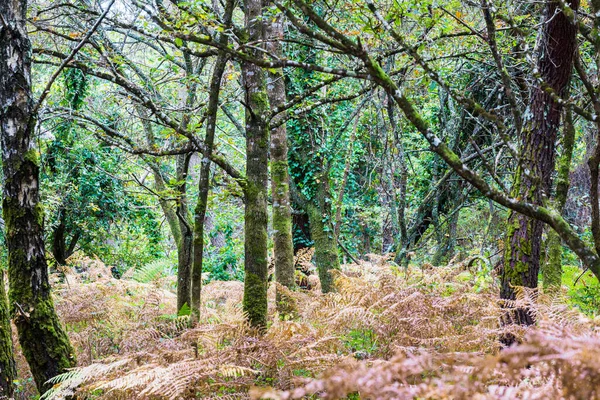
[386, 333]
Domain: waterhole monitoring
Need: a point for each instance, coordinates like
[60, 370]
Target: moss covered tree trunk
[8, 372]
[185, 245]
[257, 158]
[283, 247]
[321, 231]
[552, 269]
[203, 181]
[43, 340]
[533, 177]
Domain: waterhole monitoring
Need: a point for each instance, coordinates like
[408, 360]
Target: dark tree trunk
[60, 250]
[283, 248]
[533, 177]
[43, 340]
[59, 245]
[257, 159]
[185, 246]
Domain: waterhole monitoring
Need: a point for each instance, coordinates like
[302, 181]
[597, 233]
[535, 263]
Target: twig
[579, 277]
[69, 58]
[347, 252]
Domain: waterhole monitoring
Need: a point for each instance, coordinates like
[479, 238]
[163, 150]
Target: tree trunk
[552, 271]
[43, 340]
[257, 151]
[447, 242]
[59, 245]
[185, 246]
[159, 182]
[203, 181]
[8, 371]
[403, 240]
[533, 177]
[60, 250]
[321, 231]
[283, 247]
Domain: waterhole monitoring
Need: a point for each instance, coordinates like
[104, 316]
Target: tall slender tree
[203, 181]
[43, 340]
[257, 153]
[283, 247]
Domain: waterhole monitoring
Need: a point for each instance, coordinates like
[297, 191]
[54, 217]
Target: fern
[153, 271]
[385, 333]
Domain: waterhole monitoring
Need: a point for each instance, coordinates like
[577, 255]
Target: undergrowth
[386, 333]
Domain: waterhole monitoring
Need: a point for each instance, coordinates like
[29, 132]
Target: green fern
[153, 271]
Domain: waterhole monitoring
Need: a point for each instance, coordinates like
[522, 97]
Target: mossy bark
[8, 371]
[533, 178]
[43, 340]
[283, 247]
[552, 268]
[321, 231]
[185, 245]
[257, 159]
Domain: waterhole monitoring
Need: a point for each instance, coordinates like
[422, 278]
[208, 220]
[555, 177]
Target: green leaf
[185, 310]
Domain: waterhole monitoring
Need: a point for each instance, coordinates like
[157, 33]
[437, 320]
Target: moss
[31, 155]
[552, 268]
[514, 268]
[11, 213]
[260, 100]
[255, 300]
[45, 344]
[39, 214]
[48, 357]
[282, 226]
[326, 251]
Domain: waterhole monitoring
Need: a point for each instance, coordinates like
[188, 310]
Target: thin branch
[69, 58]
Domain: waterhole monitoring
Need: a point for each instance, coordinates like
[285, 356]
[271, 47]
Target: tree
[257, 151]
[43, 340]
[533, 178]
[283, 248]
[203, 180]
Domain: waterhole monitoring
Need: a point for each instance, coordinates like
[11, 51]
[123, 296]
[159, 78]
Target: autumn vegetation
[299, 199]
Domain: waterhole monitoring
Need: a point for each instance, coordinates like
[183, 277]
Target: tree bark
[43, 340]
[257, 159]
[533, 177]
[185, 246]
[321, 231]
[283, 247]
[203, 181]
[60, 250]
[552, 270]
